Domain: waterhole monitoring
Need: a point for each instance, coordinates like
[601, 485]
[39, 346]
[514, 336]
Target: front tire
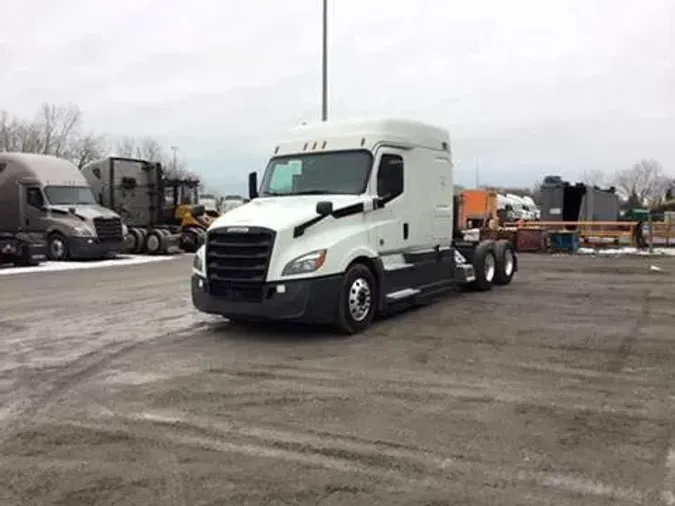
[358, 300]
[57, 248]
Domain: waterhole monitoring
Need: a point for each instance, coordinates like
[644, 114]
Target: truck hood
[279, 213]
[88, 211]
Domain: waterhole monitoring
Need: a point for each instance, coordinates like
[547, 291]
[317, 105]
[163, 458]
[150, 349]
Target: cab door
[32, 204]
[391, 225]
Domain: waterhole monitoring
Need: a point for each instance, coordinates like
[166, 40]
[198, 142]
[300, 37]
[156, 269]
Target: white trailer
[351, 219]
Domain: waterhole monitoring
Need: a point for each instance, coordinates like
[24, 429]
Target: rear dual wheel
[155, 243]
[136, 240]
[494, 263]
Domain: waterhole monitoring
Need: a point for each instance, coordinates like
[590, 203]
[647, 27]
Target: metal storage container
[531, 240]
[562, 201]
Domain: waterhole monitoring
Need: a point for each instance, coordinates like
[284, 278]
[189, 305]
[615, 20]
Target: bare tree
[86, 149]
[643, 184]
[535, 192]
[59, 126]
[55, 130]
[126, 146]
[148, 148]
[594, 177]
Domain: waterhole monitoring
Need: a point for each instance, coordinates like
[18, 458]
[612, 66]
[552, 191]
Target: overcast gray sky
[529, 87]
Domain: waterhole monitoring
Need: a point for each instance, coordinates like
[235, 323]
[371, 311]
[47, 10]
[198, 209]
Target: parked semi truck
[160, 211]
[48, 195]
[232, 202]
[351, 219]
[210, 203]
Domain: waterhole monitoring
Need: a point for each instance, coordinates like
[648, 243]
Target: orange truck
[477, 208]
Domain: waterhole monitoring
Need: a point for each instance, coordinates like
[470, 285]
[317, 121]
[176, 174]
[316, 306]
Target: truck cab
[348, 219]
[48, 195]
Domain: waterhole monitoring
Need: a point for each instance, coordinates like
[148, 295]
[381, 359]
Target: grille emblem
[238, 230]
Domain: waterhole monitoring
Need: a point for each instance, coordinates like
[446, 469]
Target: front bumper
[89, 248]
[313, 300]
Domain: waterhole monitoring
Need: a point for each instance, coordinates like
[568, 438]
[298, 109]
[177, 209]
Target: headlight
[125, 230]
[309, 262]
[84, 230]
[198, 261]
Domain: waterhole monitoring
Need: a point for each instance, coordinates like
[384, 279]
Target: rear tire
[155, 243]
[24, 259]
[143, 235]
[135, 241]
[484, 266]
[506, 262]
[358, 300]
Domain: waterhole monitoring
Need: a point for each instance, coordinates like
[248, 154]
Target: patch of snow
[626, 251]
[120, 261]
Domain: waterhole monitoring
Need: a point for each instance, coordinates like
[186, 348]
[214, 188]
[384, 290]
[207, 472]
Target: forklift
[183, 212]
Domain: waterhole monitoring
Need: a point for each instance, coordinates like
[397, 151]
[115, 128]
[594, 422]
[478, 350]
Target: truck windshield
[337, 172]
[69, 195]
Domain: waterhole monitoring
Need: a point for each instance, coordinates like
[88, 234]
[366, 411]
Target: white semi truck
[351, 219]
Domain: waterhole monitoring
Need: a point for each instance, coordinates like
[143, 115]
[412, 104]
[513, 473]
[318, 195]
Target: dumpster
[531, 240]
[564, 240]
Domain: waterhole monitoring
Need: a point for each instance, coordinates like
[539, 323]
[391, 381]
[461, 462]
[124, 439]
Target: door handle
[405, 231]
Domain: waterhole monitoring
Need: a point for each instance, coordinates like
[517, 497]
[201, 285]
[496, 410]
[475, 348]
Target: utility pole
[477, 171]
[175, 160]
[324, 64]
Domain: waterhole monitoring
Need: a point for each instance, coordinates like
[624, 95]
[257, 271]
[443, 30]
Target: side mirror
[324, 208]
[197, 211]
[252, 185]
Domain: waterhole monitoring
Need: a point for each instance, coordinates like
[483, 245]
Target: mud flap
[173, 244]
[464, 271]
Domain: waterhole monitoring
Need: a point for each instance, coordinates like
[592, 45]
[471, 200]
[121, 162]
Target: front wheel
[358, 300]
[57, 247]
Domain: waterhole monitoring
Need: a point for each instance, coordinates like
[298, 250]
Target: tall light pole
[324, 64]
[175, 160]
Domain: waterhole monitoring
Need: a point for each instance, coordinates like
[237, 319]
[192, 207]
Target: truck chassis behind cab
[351, 219]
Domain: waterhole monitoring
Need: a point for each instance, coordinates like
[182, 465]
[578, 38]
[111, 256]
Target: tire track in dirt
[412, 467]
[618, 361]
[46, 390]
[413, 385]
[50, 389]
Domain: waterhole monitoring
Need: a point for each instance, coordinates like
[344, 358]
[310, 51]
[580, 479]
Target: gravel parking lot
[555, 390]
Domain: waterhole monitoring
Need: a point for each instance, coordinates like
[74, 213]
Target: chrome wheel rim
[489, 267]
[57, 248]
[508, 262]
[360, 299]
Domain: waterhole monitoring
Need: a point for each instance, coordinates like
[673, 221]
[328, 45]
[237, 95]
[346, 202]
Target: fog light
[281, 288]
